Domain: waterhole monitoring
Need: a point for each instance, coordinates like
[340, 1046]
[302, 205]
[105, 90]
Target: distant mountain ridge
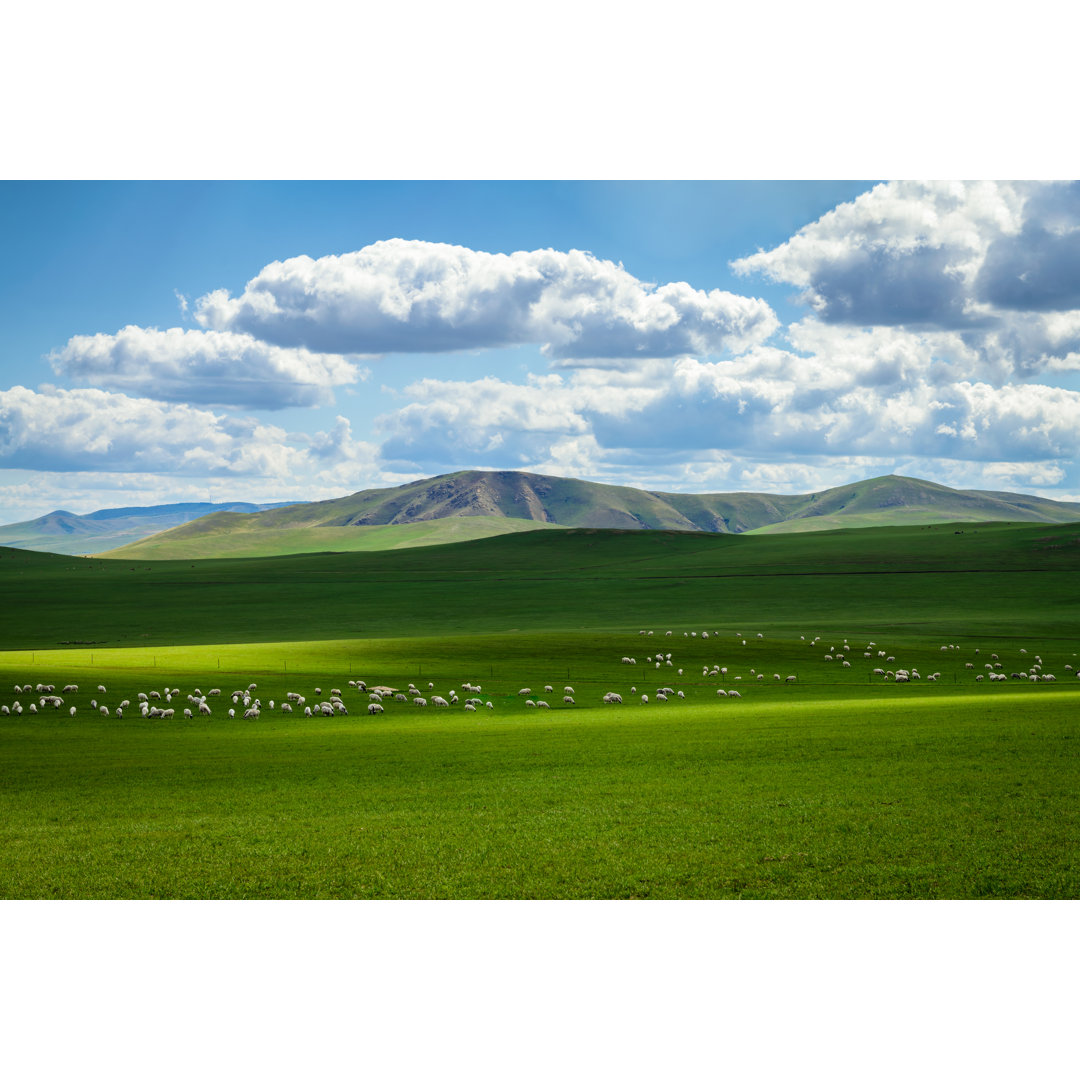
[532, 500]
[86, 534]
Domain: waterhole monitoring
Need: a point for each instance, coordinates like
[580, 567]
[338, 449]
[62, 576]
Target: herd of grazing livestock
[848, 661]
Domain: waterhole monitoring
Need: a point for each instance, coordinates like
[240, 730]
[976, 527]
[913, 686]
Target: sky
[167, 341]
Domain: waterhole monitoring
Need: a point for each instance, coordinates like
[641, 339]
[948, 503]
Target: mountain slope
[86, 534]
[511, 501]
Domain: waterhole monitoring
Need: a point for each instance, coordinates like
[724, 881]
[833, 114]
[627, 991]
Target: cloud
[94, 430]
[1038, 267]
[872, 394]
[415, 296]
[204, 367]
[903, 253]
[717, 406]
[503, 424]
[989, 272]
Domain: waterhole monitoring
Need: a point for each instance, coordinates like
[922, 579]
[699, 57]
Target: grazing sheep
[612, 698]
[375, 708]
[470, 707]
[542, 705]
[440, 702]
[568, 700]
[420, 701]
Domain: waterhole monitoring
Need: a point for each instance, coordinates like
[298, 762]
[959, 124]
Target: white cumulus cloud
[96, 430]
[207, 367]
[416, 296]
[987, 269]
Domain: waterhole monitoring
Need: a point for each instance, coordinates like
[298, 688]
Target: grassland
[837, 785]
[226, 540]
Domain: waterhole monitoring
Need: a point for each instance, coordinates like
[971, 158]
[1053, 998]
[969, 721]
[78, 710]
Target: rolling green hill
[223, 538]
[991, 578]
[421, 513]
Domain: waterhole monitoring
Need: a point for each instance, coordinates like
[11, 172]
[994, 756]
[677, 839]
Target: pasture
[839, 784]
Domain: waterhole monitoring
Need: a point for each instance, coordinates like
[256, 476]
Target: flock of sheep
[165, 703]
[992, 671]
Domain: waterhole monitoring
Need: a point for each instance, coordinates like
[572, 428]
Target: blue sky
[166, 341]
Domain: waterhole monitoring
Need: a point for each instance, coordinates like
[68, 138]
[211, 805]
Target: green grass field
[838, 785]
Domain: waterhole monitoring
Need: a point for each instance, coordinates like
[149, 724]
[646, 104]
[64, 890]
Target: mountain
[87, 534]
[464, 505]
